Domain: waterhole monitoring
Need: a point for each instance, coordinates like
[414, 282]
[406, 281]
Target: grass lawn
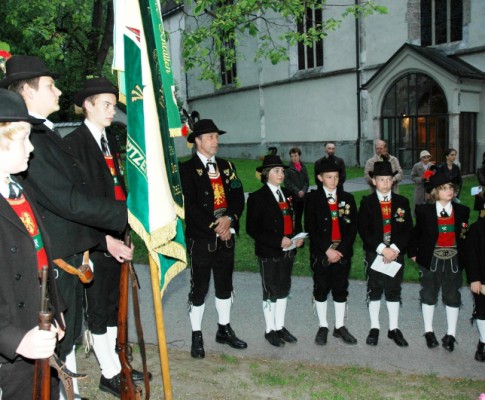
[247, 261]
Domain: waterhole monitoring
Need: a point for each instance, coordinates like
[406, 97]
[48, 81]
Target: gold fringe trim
[175, 132]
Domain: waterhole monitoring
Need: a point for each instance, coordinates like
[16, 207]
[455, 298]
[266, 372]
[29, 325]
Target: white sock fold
[223, 308]
[339, 314]
[112, 332]
[196, 313]
[374, 308]
[481, 329]
[452, 319]
[280, 313]
[321, 307]
[269, 311]
[393, 310]
[71, 364]
[428, 313]
[104, 355]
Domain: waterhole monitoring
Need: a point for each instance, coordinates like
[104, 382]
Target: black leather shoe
[139, 377]
[431, 340]
[448, 342]
[345, 335]
[373, 337]
[111, 385]
[398, 337]
[321, 338]
[273, 339]
[226, 335]
[480, 354]
[197, 350]
[285, 335]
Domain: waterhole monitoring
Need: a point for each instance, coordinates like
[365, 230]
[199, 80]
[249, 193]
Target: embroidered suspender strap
[84, 272]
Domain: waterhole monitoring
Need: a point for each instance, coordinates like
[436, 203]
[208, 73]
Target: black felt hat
[94, 86]
[436, 180]
[271, 161]
[19, 68]
[13, 108]
[326, 164]
[382, 168]
[203, 126]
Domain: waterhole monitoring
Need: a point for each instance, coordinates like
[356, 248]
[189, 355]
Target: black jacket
[199, 197]
[264, 222]
[475, 245]
[425, 233]
[318, 222]
[297, 181]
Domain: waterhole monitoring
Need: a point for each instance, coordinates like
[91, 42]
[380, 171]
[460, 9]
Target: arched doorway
[414, 117]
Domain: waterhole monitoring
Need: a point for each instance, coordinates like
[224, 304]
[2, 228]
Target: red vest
[336, 236]
[119, 194]
[22, 208]
[386, 210]
[220, 202]
[446, 231]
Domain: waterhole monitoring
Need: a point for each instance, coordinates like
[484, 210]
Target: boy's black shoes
[431, 340]
[448, 342]
[345, 335]
[373, 337]
[321, 338]
[398, 337]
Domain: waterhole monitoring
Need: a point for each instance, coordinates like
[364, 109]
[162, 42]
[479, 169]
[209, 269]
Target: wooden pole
[162, 341]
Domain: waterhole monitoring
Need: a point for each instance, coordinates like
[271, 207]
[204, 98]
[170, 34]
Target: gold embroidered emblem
[200, 171]
[219, 195]
[28, 222]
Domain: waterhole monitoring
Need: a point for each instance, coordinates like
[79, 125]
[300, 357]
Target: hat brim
[191, 137]
[84, 94]
[21, 76]
[260, 169]
[29, 119]
[371, 174]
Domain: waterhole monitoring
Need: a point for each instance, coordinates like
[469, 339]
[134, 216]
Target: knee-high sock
[280, 313]
[112, 332]
[223, 308]
[72, 366]
[481, 329]
[339, 314]
[393, 310]
[269, 310]
[374, 308]
[104, 355]
[196, 313]
[321, 307]
[428, 313]
[452, 319]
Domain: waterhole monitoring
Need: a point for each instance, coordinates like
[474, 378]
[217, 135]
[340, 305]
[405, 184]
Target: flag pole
[162, 341]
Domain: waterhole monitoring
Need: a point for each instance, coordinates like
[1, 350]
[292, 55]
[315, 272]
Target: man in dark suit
[385, 225]
[337, 161]
[97, 150]
[438, 246]
[214, 202]
[331, 222]
[69, 211]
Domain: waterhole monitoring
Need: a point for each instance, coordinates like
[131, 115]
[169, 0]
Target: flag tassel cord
[162, 341]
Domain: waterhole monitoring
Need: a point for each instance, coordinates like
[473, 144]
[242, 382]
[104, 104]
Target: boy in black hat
[331, 222]
[69, 210]
[270, 223]
[214, 202]
[24, 250]
[98, 152]
[438, 246]
[385, 225]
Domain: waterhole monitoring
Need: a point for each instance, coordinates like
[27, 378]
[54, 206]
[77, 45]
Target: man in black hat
[331, 222]
[214, 202]
[385, 225]
[70, 212]
[98, 152]
[270, 223]
[330, 149]
[438, 246]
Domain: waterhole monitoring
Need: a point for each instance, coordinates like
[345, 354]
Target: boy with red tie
[331, 222]
[385, 226]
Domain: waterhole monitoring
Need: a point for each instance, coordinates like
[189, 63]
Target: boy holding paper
[385, 226]
[437, 246]
[331, 222]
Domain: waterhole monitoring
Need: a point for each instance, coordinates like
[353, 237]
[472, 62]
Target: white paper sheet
[390, 269]
[294, 239]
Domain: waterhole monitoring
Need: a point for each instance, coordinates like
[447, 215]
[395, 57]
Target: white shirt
[382, 246]
[448, 208]
[327, 193]
[381, 196]
[274, 189]
[4, 189]
[95, 132]
[47, 123]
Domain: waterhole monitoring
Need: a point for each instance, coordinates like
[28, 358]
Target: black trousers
[216, 256]
[17, 380]
[276, 276]
[298, 208]
[103, 293]
[379, 283]
[71, 290]
[479, 309]
[330, 277]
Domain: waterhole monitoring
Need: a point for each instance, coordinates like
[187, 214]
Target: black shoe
[226, 335]
[480, 354]
[197, 350]
[273, 339]
[138, 376]
[398, 338]
[321, 338]
[345, 335]
[448, 342]
[285, 335]
[431, 340]
[112, 385]
[373, 337]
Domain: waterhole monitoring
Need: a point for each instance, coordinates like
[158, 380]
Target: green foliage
[215, 28]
